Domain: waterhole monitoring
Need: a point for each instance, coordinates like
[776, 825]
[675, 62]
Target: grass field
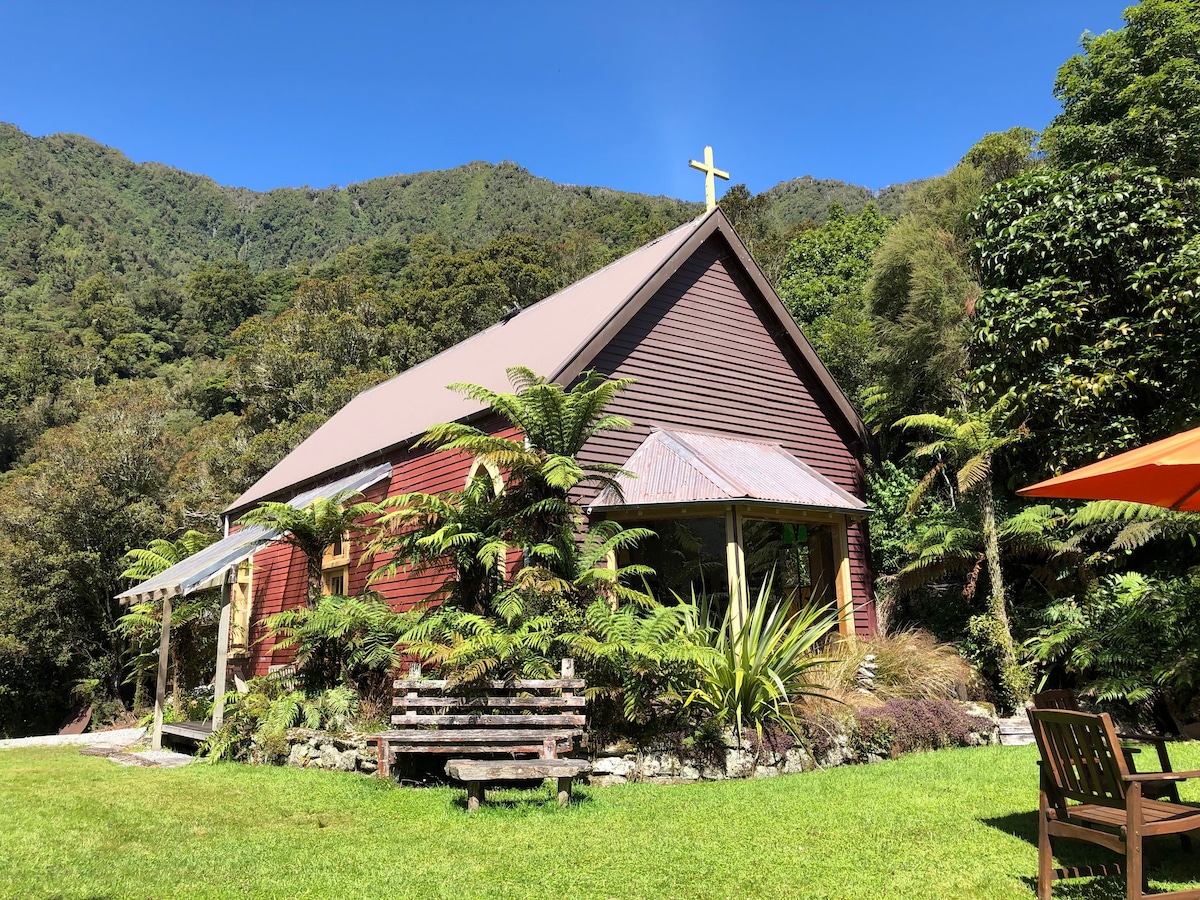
[952, 824]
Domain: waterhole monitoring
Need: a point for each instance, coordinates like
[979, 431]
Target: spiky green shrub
[758, 672]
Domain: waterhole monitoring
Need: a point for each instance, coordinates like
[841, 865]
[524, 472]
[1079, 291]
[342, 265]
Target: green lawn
[951, 824]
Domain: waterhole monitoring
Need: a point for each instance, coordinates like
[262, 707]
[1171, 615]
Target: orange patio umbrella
[1165, 473]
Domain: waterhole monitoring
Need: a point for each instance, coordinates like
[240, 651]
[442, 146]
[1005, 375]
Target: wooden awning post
[160, 690]
[843, 585]
[218, 716]
[735, 560]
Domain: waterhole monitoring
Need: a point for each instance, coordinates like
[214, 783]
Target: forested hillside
[164, 340]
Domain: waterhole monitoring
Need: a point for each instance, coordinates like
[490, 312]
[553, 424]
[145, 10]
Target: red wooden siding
[279, 574]
[705, 352]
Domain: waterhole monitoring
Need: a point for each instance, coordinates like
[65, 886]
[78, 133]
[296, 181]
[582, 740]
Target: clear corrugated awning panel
[206, 569]
[675, 467]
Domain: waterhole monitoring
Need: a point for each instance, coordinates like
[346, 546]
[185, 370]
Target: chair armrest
[1140, 737]
[1162, 776]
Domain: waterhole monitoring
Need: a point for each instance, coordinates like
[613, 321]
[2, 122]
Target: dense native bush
[906, 726]
[1130, 644]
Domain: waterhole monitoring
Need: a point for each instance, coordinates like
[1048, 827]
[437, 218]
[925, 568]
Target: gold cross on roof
[709, 170]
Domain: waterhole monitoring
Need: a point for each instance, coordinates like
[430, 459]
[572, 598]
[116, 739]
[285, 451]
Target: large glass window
[687, 555]
[798, 556]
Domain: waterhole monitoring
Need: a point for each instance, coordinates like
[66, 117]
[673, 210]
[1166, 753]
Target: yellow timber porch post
[843, 585]
[735, 560]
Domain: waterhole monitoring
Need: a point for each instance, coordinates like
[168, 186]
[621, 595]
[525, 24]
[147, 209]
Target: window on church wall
[240, 603]
[490, 474]
[488, 477]
[335, 567]
[688, 557]
[796, 556]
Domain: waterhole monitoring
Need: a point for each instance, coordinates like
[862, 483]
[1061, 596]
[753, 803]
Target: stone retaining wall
[618, 764]
[333, 752]
[722, 758]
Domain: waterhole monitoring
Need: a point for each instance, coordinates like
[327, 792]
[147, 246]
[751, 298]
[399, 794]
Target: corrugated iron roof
[674, 467]
[545, 337]
[206, 569]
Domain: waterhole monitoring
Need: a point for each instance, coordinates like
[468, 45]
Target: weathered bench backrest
[519, 716]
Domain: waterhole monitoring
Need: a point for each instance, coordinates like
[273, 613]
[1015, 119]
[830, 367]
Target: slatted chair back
[1081, 757]
[539, 716]
[1058, 699]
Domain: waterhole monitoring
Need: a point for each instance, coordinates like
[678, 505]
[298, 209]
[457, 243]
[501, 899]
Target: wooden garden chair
[1087, 793]
[1062, 699]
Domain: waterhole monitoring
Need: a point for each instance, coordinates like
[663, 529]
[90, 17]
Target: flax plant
[758, 672]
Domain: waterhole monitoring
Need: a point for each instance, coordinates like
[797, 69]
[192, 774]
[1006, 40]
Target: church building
[748, 457]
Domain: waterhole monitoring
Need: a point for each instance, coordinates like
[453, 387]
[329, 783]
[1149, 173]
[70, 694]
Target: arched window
[489, 470]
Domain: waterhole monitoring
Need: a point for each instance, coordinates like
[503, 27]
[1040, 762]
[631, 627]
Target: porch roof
[207, 568]
[675, 467]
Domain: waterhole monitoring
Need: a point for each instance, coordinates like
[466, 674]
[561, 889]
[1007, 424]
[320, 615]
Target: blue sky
[619, 94]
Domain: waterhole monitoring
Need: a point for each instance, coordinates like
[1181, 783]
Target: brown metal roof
[558, 337]
[543, 337]
[673, 467]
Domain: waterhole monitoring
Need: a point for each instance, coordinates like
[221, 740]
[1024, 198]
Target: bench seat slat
[485, 770]
[519, 684]
[486, 702]
[469, 735]
[530, 749]
[483, 720]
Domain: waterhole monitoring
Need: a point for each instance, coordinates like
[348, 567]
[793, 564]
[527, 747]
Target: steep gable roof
[557, 337]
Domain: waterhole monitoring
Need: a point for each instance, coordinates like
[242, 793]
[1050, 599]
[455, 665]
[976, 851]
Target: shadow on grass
[1167, 862]
[518, 798]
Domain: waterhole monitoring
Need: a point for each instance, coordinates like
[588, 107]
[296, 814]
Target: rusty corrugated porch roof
[674, 467]
[557, 337]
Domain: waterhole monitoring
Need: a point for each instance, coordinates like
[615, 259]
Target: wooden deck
[191, 732]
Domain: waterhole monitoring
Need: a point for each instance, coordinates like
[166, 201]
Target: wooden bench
[493, 724]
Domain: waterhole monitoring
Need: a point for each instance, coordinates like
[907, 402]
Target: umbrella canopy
[1165, 473]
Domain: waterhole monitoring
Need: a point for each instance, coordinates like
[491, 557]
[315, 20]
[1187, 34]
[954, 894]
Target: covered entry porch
[729, 514]
[216, 567]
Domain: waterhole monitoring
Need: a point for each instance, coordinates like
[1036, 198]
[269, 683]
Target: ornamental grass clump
[909, 665]
[760, 670]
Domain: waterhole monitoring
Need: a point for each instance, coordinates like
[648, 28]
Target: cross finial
[709, 170]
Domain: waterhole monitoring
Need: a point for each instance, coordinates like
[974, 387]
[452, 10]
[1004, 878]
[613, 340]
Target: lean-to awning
[674, 467]
[206, 568]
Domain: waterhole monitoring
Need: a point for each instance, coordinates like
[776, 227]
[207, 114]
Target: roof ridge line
[569, 287]
[721, 479]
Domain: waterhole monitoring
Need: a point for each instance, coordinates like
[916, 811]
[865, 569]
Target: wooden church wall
[280, 581]
[707, 354]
